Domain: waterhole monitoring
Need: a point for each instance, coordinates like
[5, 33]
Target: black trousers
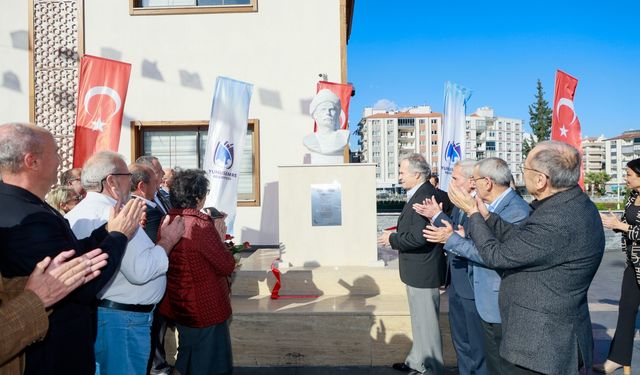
[622, 344]
[496, 365]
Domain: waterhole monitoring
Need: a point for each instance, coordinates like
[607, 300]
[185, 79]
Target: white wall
[281, 49]
[14, 62]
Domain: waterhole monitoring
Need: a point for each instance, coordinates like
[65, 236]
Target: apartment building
[387, 135]
[488, 136]
[593, 154]
[619, 151]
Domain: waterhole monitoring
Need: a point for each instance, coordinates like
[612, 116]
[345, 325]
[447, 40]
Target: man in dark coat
[422, 269]
[30, 230]
[549, 261]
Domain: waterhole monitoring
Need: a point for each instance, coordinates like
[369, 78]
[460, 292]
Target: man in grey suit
[492, 177]
[548, 263]
[422, 269]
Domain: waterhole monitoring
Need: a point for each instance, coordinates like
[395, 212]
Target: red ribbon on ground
[275, 292]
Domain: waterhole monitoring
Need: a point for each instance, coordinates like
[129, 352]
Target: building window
[491, 145]
[183, 144]
[406, 121]
[421, 121]
[389, 122]
[151, 7]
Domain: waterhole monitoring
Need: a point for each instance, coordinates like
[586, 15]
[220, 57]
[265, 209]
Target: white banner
[452, 141]
[225, 141]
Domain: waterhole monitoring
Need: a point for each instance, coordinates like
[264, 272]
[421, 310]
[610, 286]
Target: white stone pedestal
[353, 242]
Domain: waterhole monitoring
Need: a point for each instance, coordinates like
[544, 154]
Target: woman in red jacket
[197, 297]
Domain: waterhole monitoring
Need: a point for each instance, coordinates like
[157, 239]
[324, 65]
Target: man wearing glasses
[71, 178]
[125, 306]
[466, 325]
[492, 179]
[548, 263]
[31, 230]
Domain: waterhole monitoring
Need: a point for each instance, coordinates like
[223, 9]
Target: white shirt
[141, 279]
[413, 191]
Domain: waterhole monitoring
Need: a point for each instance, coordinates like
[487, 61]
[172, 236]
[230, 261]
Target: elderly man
[158, 364]
[31, 230]
[143, 185]
[422, 269]
[71, 178]
[125, 306]
[153, 162]
[492, 177]
[466, 325]
[548, 263]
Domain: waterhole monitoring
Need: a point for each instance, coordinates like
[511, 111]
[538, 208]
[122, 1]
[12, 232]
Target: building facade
[593, 154]
[619, 151]
[488, 136]
[176, 50]
[385, 136]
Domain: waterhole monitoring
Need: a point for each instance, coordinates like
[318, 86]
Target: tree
[539, 121]
[595, 181]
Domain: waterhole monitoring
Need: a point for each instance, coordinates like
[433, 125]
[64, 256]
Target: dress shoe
[608, 367]
[402, 367]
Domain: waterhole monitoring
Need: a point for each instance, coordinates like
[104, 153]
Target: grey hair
[146, 160]
[140, 173]
[418, 164]
[466, 167]
[559, 161]
[496, 169]
[17, 140]
[98, 167]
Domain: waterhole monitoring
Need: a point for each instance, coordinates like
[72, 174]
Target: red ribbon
[391, 228]
[275, 292]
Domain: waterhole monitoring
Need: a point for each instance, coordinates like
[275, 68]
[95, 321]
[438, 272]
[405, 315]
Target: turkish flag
[343, 91]
[565, 126]
[102, 91]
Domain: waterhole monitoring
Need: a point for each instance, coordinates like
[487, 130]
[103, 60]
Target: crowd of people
[94, 269]
[517, 274]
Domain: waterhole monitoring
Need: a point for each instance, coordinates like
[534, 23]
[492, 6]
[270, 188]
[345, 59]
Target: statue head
[325, 109]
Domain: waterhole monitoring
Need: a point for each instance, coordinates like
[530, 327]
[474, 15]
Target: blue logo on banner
[453, 152]
[223, 157]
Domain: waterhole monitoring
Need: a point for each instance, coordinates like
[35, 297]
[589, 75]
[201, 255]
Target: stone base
[360, 317]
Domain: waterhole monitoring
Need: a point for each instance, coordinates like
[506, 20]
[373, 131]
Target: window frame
[136, 10]
[138, 127]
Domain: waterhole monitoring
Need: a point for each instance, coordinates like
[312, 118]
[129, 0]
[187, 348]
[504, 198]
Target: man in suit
[548, 263]
[466, 325]
[422, 269]
[143, 186]
[158, 364]
[31, 230]
[492, 177]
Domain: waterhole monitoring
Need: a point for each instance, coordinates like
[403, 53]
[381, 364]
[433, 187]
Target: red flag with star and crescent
[102, 91]
[565, 126]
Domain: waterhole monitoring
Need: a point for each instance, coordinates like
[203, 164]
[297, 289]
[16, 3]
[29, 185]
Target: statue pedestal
[328, 215]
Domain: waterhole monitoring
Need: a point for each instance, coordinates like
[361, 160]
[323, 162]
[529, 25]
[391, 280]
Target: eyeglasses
[76, 199]
[111, 174]
[475, 179]
[523, 168]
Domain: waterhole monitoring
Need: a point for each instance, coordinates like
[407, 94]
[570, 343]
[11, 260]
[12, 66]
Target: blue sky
[404, 51]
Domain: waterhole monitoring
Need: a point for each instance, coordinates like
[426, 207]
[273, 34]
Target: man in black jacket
[30, 230]
[422, 269]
